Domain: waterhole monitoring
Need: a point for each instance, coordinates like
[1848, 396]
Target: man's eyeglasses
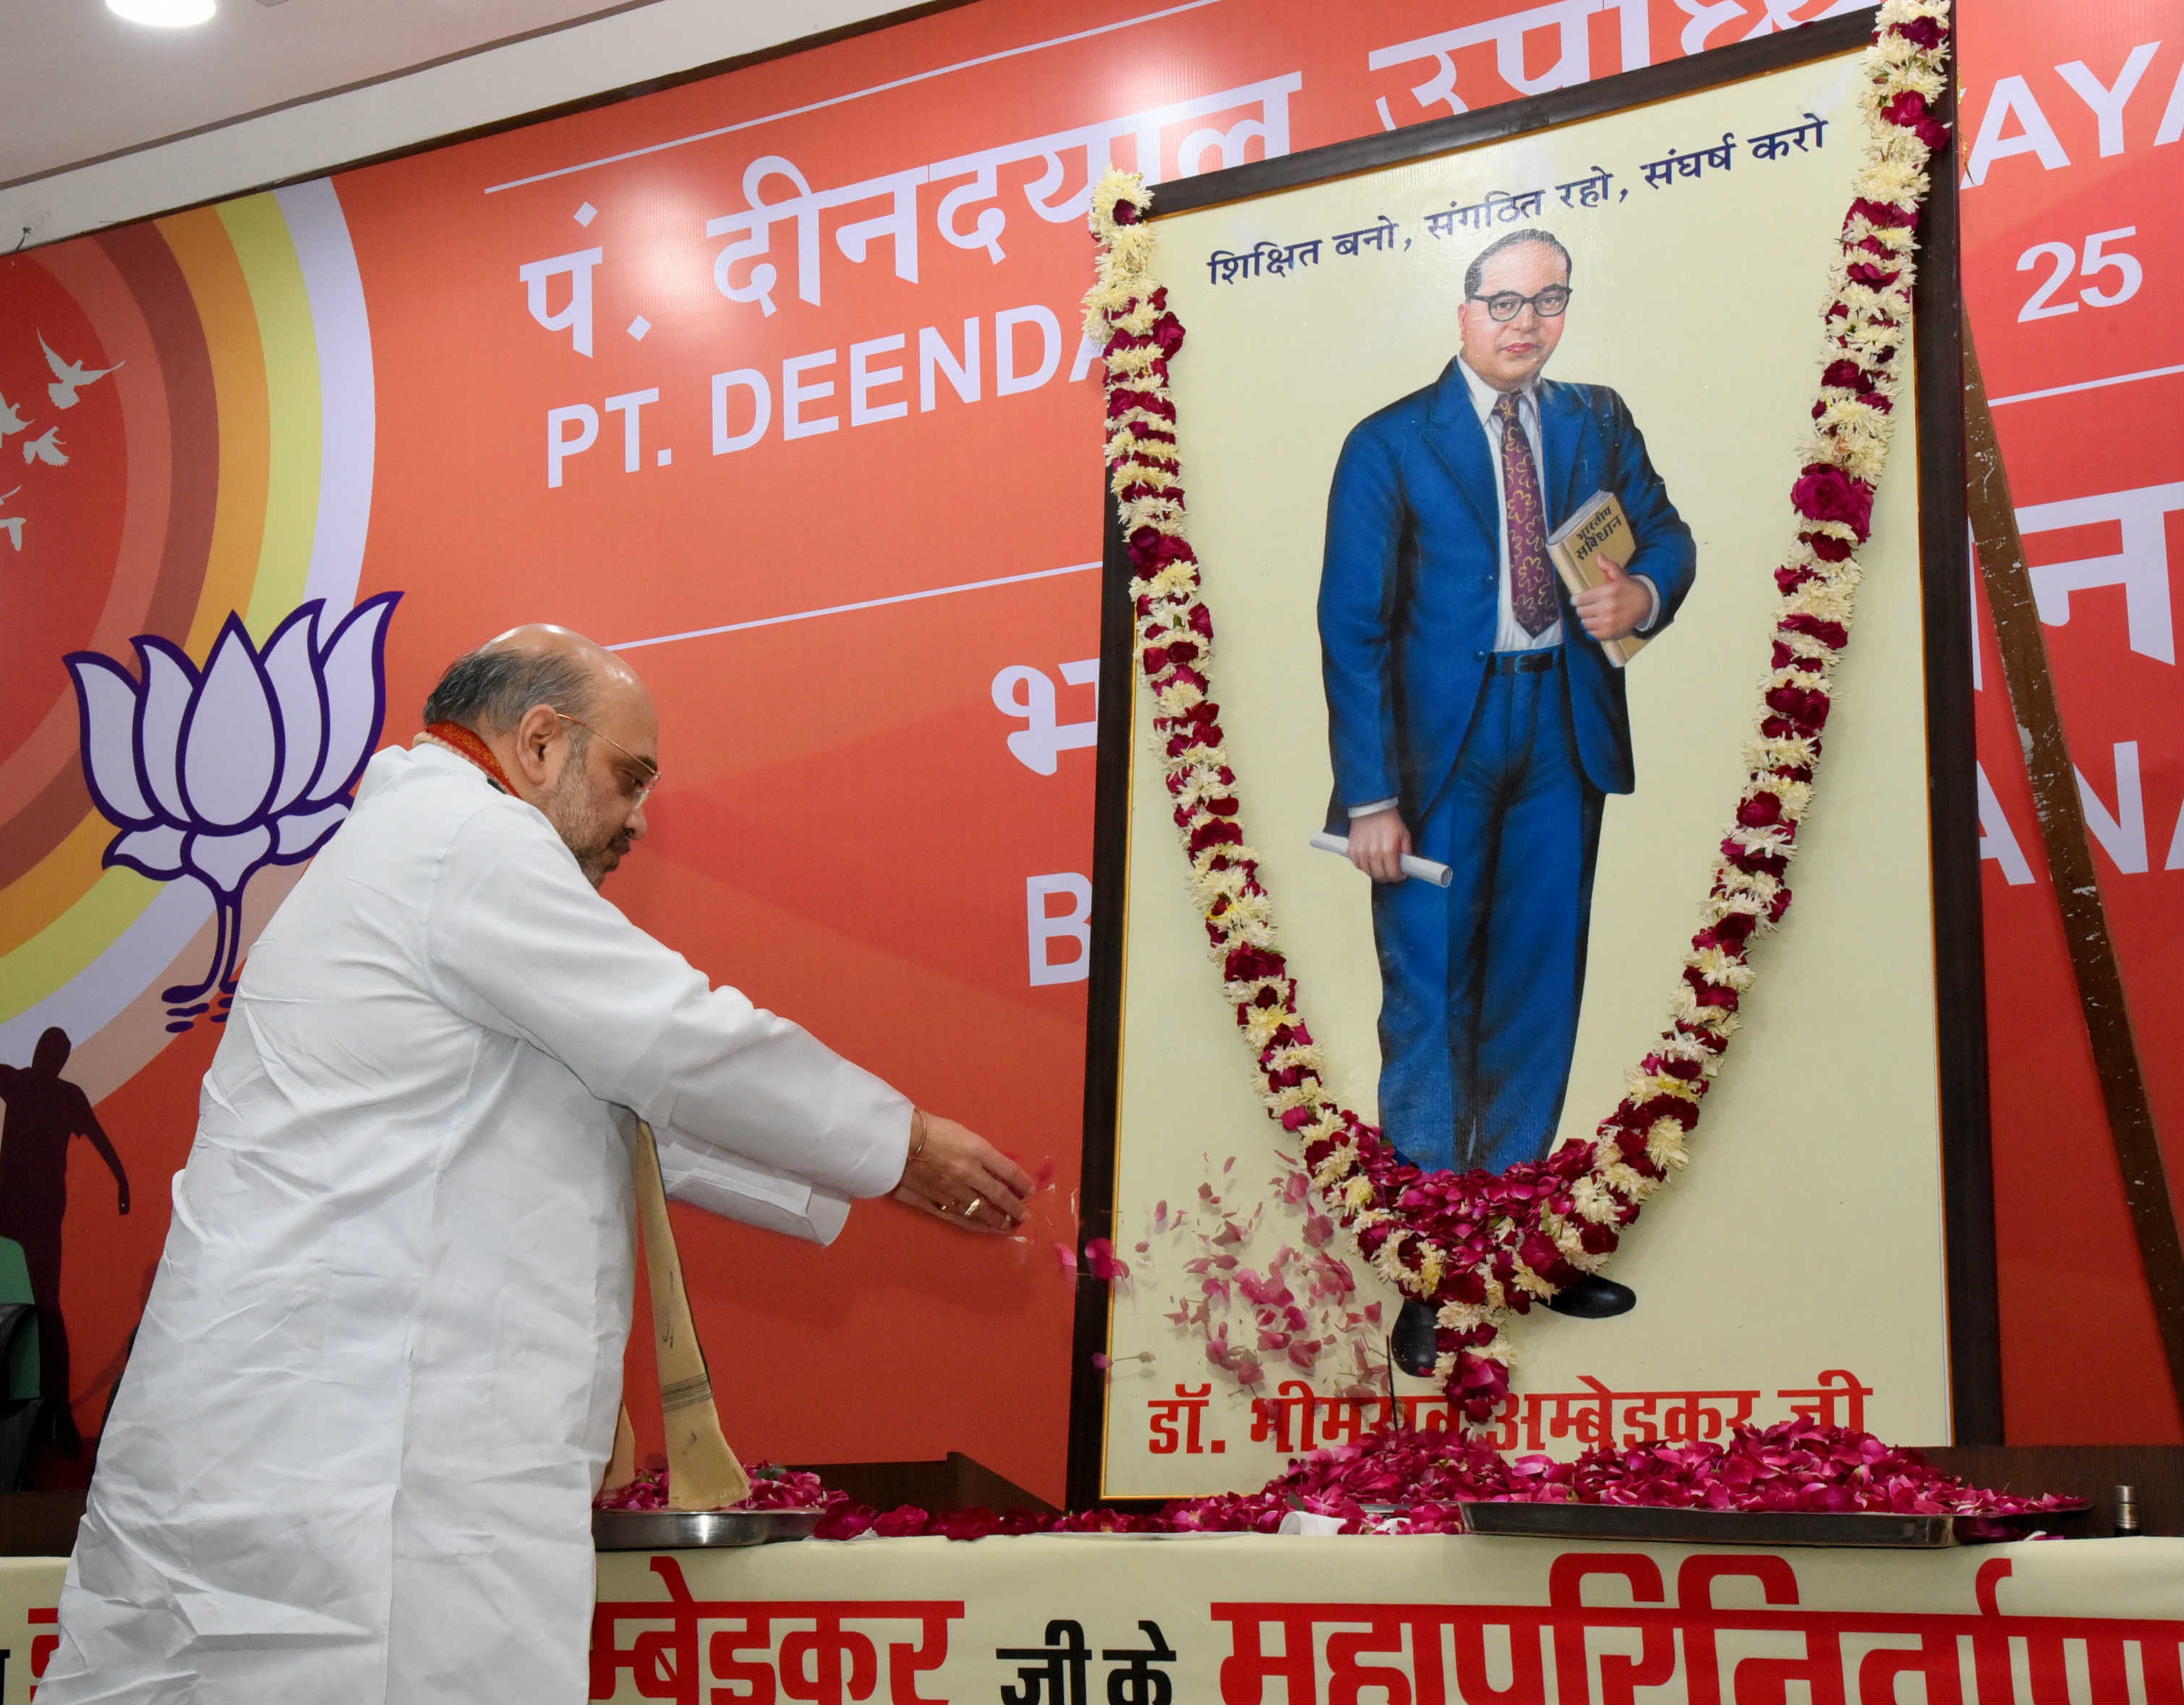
[1507, 304]
[650, 771]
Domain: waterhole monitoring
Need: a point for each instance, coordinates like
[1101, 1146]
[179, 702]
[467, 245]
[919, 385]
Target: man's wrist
[1371, 811]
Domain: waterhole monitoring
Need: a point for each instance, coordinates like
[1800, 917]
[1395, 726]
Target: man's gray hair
[488, 691]
[1475, 274]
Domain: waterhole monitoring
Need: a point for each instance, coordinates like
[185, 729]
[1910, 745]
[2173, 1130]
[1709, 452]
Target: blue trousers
[1480, 981]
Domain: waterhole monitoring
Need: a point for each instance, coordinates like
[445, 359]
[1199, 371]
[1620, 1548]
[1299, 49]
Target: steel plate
[695, 1530]
[1712, 1527]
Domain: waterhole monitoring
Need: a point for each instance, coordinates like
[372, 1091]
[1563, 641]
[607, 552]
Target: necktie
[1531, 582]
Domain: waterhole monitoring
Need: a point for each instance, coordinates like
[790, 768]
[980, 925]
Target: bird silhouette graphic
[12, 525]
[46, 448]
[69, 376]
[10, 422]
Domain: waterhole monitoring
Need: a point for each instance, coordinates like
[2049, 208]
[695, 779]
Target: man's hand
[1378, 843]
[957, 1168]
[1613, 610]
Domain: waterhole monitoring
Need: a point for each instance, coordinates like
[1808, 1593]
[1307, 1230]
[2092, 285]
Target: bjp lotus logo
[214, 773]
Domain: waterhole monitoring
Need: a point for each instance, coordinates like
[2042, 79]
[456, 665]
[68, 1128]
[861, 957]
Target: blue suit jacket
[1408, 590]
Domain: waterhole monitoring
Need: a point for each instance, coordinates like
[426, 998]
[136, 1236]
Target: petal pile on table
[772, 1488]
[1399, 1481]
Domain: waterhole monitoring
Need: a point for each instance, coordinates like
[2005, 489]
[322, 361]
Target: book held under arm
[1598, 528]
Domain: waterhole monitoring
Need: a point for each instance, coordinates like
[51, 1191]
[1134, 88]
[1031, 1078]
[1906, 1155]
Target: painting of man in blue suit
[1473, 717]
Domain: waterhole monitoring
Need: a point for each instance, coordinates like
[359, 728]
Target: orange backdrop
[827, 607]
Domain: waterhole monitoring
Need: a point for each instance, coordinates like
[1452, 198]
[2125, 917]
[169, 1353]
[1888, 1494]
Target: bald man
[374, 1388]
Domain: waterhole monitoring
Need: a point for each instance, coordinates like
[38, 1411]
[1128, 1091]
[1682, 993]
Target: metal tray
[1712, 1527]
[693, 1529]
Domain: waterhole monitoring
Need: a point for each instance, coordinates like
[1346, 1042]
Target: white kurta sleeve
[745, 1191]
[518, 941]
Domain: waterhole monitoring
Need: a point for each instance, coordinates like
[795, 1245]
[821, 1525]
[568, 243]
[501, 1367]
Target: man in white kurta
[375, 1384]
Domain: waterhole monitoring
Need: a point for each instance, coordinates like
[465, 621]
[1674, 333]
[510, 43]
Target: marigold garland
[1479, 1245]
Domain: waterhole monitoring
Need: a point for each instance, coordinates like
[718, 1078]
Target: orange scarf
[463, 744]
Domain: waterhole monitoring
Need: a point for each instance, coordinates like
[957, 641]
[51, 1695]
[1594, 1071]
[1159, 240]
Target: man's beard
[598, 847]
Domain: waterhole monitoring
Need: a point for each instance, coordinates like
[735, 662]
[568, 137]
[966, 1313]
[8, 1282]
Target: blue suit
[1499, 765]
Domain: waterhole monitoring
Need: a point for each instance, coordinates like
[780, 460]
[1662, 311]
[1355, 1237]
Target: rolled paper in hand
[1439, 875]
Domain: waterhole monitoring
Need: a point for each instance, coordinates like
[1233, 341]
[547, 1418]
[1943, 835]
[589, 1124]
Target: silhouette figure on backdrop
[69, 376]
[45, 448]
[12, 525]
[11, 420]
[44, 1111]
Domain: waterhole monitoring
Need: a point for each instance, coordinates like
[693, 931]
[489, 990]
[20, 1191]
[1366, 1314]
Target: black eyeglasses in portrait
[1507, 304]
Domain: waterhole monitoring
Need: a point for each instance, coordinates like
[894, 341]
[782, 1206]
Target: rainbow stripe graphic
[243, 374]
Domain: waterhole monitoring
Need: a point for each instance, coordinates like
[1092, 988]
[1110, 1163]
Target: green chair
[19, 1348]
[22, 1411]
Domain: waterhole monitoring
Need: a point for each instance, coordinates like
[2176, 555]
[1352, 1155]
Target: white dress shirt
[1509, 634]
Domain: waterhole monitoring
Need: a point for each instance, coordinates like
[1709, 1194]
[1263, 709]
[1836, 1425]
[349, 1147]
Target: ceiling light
[165, 14]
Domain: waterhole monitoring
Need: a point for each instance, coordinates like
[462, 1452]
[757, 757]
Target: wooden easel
[2024, 646]
[703, 1472]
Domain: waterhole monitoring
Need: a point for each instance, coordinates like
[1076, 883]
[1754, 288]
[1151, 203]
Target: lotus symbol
[215, 773]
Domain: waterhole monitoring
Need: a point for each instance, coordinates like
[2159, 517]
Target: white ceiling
[77, 83]
[268, 94]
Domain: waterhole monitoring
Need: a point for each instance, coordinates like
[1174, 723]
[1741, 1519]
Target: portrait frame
[1945, 655]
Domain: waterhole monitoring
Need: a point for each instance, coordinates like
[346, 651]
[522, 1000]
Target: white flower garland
[1481, 1251]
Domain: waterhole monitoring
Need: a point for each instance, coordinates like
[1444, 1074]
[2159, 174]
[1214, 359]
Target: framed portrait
[1410, 362]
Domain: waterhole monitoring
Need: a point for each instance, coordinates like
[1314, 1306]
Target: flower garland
[1479, 1245]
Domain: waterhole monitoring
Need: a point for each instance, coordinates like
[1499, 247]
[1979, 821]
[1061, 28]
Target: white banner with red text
[1250, 1621]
